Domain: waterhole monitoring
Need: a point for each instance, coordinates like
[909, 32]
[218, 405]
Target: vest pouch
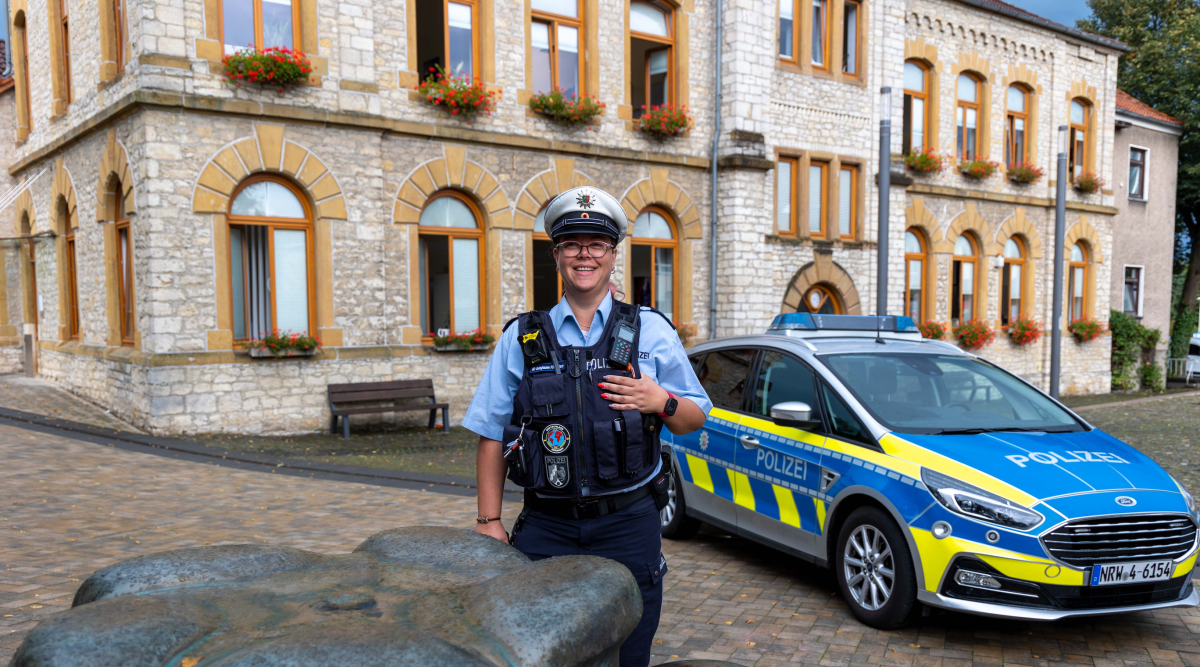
[526, 472]
[632, 444]
[549, 394]
[605, 440]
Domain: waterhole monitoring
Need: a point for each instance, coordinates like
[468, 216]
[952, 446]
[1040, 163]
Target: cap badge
[585, 200]
[584, 215]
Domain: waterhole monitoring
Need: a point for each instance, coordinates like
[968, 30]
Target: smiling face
[584, 274]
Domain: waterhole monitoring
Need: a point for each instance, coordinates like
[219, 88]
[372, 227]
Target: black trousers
[630, 536]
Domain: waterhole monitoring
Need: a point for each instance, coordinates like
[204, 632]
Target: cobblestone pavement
[43, 397]
[71, 508]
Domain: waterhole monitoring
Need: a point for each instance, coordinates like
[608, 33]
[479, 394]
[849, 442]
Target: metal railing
[1180, 368]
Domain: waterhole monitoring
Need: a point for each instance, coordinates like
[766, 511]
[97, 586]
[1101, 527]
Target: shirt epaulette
[661, 314]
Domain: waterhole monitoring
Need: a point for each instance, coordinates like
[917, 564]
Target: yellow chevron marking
[787, 506]
[909, 452]
[882, 460]
[936, 556]
[1185, 567]
[820, 513]
[742, 493]
[700, 476]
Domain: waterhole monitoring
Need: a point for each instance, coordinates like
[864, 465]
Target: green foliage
[464, 341]
[1025, 331]
[1088, 183]
[567, 109]
[1025, 173]
[1132, 347]
[1183, 325]
[974, 334]
[933, 330]
[664, 121]
[1151, 375]
[1085, 329]
[977, 170]
[925, 161]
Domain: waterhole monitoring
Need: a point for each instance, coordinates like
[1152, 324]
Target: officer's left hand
[641, 394]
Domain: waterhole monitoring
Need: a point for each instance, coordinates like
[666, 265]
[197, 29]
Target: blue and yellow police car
[922, 474]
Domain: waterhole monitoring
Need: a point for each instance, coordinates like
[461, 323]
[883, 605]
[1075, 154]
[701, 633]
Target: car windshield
[935, 393]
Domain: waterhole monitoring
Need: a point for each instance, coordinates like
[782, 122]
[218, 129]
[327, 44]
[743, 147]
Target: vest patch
[556, 471]
[547, 367]
[556, 438]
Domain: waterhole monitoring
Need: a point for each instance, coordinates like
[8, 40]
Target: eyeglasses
[595, 249]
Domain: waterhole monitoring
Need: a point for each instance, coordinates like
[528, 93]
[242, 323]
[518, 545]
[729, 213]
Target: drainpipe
[7, 70]
[712, 276]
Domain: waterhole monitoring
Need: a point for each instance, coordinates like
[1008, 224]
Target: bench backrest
[380, 391]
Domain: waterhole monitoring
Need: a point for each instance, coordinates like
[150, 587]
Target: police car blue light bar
[810, 322]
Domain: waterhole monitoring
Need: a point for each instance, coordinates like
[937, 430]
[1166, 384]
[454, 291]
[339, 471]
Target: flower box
[264, 353]
[1024, 173]
[1088, 183]
[664, 121]
[978, 170]
[277, 67]
[455, 348]
[925, 161]
[459, 96]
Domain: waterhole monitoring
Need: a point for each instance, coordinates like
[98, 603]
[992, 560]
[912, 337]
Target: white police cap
[586, 210]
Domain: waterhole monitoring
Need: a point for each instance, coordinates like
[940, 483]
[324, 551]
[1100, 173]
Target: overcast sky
[1062, 11]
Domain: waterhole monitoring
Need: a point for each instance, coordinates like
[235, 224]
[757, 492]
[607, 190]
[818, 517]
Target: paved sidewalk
[43, 397]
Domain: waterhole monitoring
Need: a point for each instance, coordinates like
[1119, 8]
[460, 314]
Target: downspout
[712, 275]
[7, 70]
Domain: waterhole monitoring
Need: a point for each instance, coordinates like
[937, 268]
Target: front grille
[1120, 595]
[1121, 539]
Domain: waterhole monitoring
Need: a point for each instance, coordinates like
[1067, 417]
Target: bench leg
[432, 418]
[445, 420]
[345, 427]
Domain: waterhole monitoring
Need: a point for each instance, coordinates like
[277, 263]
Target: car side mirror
[793, 414]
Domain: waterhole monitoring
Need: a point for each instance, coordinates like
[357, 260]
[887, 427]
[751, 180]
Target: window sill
[840, 77]
[1138, 200]
[455, 348]
[847, 244]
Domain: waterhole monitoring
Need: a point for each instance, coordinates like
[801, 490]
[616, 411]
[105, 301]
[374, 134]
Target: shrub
[925, 161]
[974, 334]
[1151, 375]
[1025, 331]
[977, 170]
[1025, 173]
[460, 95]
[686, 332]
[274, 66]
[1132, 342]
[664, 121]
[283, 344]
[1085, 329]
[1182, 327]
[1088, 183]
[464, 341]
[572, 110]
[933, 330]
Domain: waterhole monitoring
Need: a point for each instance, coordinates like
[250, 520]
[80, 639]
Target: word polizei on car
[922, 473]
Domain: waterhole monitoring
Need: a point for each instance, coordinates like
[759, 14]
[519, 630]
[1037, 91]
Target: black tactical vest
[569, 442]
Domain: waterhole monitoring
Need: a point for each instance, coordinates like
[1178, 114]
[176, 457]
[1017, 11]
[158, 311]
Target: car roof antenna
[879, 330]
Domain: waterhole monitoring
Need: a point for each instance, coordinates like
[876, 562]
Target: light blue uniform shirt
[662, 359]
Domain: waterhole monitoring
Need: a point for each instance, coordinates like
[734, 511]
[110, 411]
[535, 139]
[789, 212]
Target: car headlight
[972, 501]
[1187, 497]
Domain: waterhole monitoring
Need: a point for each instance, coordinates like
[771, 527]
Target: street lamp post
[885, 193]
[1060, 224]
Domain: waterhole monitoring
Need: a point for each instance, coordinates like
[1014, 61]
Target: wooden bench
[378, 397]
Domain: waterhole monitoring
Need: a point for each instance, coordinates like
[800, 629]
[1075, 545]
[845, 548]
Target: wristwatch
[669, 408]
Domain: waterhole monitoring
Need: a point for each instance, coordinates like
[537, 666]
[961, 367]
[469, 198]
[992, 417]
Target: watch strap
[670, 397]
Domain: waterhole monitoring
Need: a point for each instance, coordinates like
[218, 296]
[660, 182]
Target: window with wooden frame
[448, 37]
[818, 196]
[1012, 282]
[120, 36]
[820, 34]
[1077, 278]
[66, 49]
[271, 259]
[556, 38]
[851, 43]
[1078, 148]
[847, 200]
[654, 249]
[72, 273]
[651, 53]
[820, 300]
[966, 117]
[916, 102]
[259, 24]
[547, 281]
[450, 271]
[914, 275]
[965, 268]
[1016, 119]
[21, 72]
[1137, 173]
[124, 259]
[785, 196]
[787, 30]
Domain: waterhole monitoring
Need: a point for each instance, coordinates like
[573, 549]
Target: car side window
[782, 378]
[724, 375]
[1194, 350]
[841, 420]
[697, 362]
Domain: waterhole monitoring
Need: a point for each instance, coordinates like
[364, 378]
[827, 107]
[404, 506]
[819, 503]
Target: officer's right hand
[492, 529]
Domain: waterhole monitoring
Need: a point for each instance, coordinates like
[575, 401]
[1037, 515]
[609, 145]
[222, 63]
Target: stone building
[172, 216]
[12, 315]
[1145, 165]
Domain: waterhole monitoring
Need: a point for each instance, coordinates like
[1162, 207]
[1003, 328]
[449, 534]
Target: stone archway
[64, 210]
[543, 187]
[822, 271]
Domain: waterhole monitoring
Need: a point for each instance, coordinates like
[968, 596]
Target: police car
[921, 473]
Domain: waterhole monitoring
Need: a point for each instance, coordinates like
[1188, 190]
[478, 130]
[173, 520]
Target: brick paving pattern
[43, 397]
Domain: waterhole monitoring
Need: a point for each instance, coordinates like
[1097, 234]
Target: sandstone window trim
[1016, 125]
[655, 244]
[259, 38]
[120, 34]
[451, 234]
[916, 255]
[852, 42]
[211, 47]
[800, 202]
[1079, 270]
[1015, 262]
[967, 144]
[473, 5]
[665, 45]
[822, 271]
[964, 273]
[65, 19]
[555, 26]
[801, 33]
[787, 200]
[114, 41]
[819, 297]
[1082, 138]
[822, 26]
[59, 52]
[239, 229]
[916, 102]
[21, 74]
[484, 44]
[126, 313]
[66, 222]
[72, 293]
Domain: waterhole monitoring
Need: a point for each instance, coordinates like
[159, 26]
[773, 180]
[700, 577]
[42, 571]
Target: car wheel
[676, 524]
[875, 569]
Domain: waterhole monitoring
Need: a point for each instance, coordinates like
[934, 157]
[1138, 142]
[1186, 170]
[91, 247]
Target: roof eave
[1138, 120]
[1112, 45]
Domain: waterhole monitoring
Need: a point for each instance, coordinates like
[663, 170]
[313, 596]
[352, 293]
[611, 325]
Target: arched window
[556, 41]
[64, 19]
[966, 117]
[547, 283]
[21, 73]
[1077, 305]
[820, 300]
[1015, 150]
[651, 52]
[1077, 158]
[965, 266]
[259, 24]
[71, 282]
[451, 259]
[124, 260]
[916, 99]
[914, 275]
[29, 271]
[119, 34]
[270, 259]
[652, 261]
[1012, 282]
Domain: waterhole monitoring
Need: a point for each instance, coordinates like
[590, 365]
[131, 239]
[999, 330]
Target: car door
[779, 467]
[707, 456]
[846, 442]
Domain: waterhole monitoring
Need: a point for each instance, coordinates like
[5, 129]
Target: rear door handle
[749, 441]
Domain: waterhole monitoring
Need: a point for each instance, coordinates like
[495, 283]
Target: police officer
[571, 406]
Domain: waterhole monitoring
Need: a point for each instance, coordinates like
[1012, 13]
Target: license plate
[1132, 573]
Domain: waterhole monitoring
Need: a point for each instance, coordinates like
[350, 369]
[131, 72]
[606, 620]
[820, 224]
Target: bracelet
[485, 519]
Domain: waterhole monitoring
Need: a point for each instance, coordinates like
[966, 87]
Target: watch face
[671, 405]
